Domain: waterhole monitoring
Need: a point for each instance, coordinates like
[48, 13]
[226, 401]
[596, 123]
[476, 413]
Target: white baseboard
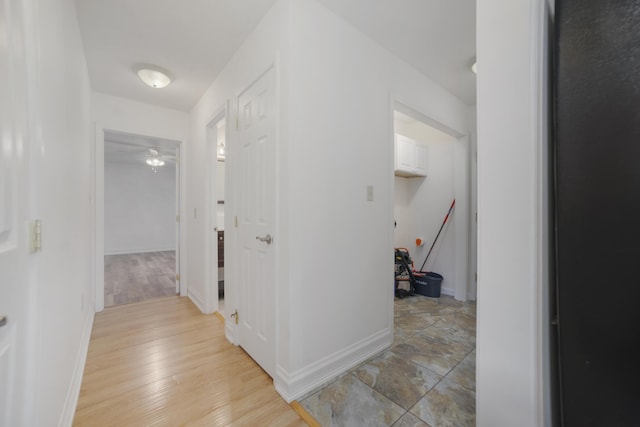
[293, 386]
[127, 251]
[71, 401]
[230, 333]
[197, 299]
[448, 291]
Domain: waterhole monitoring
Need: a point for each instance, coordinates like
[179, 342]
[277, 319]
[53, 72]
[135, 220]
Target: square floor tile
[398, 379]
[349, 402]
[453, 328]
[410, 420]
[439, 355]
[465, 373]
[448, 404]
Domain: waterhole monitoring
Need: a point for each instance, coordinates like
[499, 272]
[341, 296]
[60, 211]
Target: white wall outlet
[370, 193]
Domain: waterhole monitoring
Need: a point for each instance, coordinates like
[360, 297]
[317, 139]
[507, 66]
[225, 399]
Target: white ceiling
[437, 37]
[194, 39]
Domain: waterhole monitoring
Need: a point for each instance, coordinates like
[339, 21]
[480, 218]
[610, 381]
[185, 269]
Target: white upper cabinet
[410, 157]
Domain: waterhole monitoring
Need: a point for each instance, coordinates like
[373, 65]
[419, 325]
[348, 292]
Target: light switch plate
[370, 193]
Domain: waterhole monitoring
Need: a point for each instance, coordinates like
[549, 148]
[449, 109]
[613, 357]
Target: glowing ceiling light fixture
[154, 77]
[155, 162]
[474, 67]
[221, 147]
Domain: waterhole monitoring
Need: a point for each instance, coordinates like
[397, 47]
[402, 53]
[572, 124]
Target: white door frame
[462, 194]
[211, 251]
[98, 214]
[177, 215]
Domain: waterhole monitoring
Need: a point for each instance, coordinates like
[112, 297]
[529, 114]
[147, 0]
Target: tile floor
[426, 378]
[139, 277]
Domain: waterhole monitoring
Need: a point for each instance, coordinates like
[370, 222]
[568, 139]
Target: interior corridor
[162, 362]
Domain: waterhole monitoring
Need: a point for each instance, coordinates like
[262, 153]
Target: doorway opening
[141, 233]
[424, 188]
[216, 138]
[431, 169]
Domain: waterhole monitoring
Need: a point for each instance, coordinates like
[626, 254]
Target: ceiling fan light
[154, 78]
[155, 162]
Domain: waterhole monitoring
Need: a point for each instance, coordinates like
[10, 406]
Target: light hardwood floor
[164, 363]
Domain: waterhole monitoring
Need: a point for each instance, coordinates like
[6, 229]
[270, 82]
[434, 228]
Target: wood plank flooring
[164, 363]
[139, 277]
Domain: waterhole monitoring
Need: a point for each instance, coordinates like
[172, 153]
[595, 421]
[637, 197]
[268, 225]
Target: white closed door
[16, 321]
[256, 211]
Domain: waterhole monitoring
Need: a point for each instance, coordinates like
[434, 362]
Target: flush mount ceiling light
[154, 78]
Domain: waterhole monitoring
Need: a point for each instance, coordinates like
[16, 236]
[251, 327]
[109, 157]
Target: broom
[439, 231]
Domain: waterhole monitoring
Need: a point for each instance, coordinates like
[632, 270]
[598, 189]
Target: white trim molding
[198, 300]
[294, 385]
[73, 392]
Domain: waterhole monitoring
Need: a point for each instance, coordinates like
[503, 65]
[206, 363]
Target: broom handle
[439, 231]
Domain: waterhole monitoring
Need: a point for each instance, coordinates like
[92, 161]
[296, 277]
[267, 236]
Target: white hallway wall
[422, 204]
[342, 88]
[513, 227]
[60, 196]
[262, 49]
[124, 115]
[334, 263]
[139, 208]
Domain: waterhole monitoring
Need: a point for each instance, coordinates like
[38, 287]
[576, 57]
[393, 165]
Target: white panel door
[256, 211]
[15, 344]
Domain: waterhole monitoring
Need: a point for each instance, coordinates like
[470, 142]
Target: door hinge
[237, 123]
[235, 219]
[178, 277]
[235, 316]
[35, 231]
[177, 218]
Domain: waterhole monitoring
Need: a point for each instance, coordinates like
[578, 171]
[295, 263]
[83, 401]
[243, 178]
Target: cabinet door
[420, 159]
[404, 155]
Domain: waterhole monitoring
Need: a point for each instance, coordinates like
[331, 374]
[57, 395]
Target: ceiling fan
[152, 155]
[156, 160]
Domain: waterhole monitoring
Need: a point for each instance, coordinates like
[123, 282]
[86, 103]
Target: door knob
[3, 320]
[267, 239]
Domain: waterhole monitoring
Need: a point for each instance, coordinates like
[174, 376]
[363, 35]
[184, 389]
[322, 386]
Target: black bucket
[428, 284]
